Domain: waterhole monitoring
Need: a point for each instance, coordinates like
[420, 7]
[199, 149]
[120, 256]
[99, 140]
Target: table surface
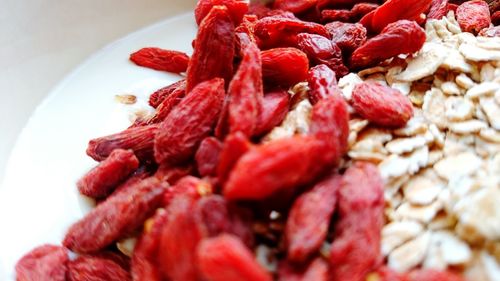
[43, 40]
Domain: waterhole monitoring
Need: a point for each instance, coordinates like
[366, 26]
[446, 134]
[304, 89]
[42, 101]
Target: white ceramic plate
[38, 198]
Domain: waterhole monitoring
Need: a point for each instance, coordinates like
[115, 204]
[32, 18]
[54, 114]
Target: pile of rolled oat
[442, 171]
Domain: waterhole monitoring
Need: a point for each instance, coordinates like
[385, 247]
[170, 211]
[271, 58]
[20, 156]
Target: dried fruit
[46, 262]
[207, 156]
[284, 66]
[144, 266]
[401, 37]
[226, 258]
[236, 8]
[116, 217]
[321, 50]
[245, 33]
[395, 10]
[279, 165]
[160, 59]
[245, 92]
[274, 107]
[96, 268]
[101, 180]
[381, 104]
[473, 16]
[336, 15]
[359, 10]
[235, 145]
[189, 123]
[138, 139]
[213, 50]
[322, 83]
[356, 246]
[156, 98]
[309, 218]
[167, 105]
[294, 6]
[438, 10]
[347, 36]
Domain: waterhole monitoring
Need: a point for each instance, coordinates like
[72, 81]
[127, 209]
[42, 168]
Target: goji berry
[322, 83]
[274, 108]
[245, 33]
[189, 123]
[214, 49]
[188, 186]
[226, 258]
[116, 217]
[245, 92]
[160, 59]
[294, 6]
[179, 240]
[207, 156]
[321, 50]
[284, 66]
[348, 36]
[172, 174]
[355, 249]
[439, 9]
[433, 275]
[101, 180]
[452, 7]
[234, 146]
[144, 259]
[359, 10]
[96, 268]
[138, 139]
[473, 16]
[336, 15]
[385, 273]
[330, 123]
[156, 98]
[401, 37]
[140, 174]
[278, 165]
[381, 104]
[258, 9]
[495, 18]
[309, 219]
[166, 106]
[44, 263]
[236, 8]
[317, 270]
[395, 10]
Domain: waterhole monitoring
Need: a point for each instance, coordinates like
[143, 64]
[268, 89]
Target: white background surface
[42, 40]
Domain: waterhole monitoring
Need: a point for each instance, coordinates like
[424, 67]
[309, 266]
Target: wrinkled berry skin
[96, 268]
[159, 59]
[44, 263]
[284, 66]
[382, 105]
[473, 16]
[236, 8]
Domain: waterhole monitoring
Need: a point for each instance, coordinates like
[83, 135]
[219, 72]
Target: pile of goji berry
[201, 189]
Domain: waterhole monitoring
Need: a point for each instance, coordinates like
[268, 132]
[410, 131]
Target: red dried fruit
[309, 218]
[44, 263]
[245, 33]
[473, 16]
[452, 7]
[495, 18]
[207, 156]
[401, 37]
[226, 258]
[156, 98]
[317, 270]
[384, 273]
[138, 139]
[214, 49]
[490, 32]
[116, 217]
[322, 83]
[245, 92]
[294, 6]
[361, 9]
[439, 9]
[144, 262]
[330, 123]
[103, 179]
[382, 105]
[172, 174]
[355, 249]
[188, 186]
[279, 31]
[321, 50]
[189, 123]
[235, 145]
[96, 268]
[275, 166]
[284, 66]
[140, 174]
[179, 241]
[336, 15]
[395, 10]
[166, 106]
[236, 8]
[274, 108]
[433, 275]
[348, 36]
[160, 59]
